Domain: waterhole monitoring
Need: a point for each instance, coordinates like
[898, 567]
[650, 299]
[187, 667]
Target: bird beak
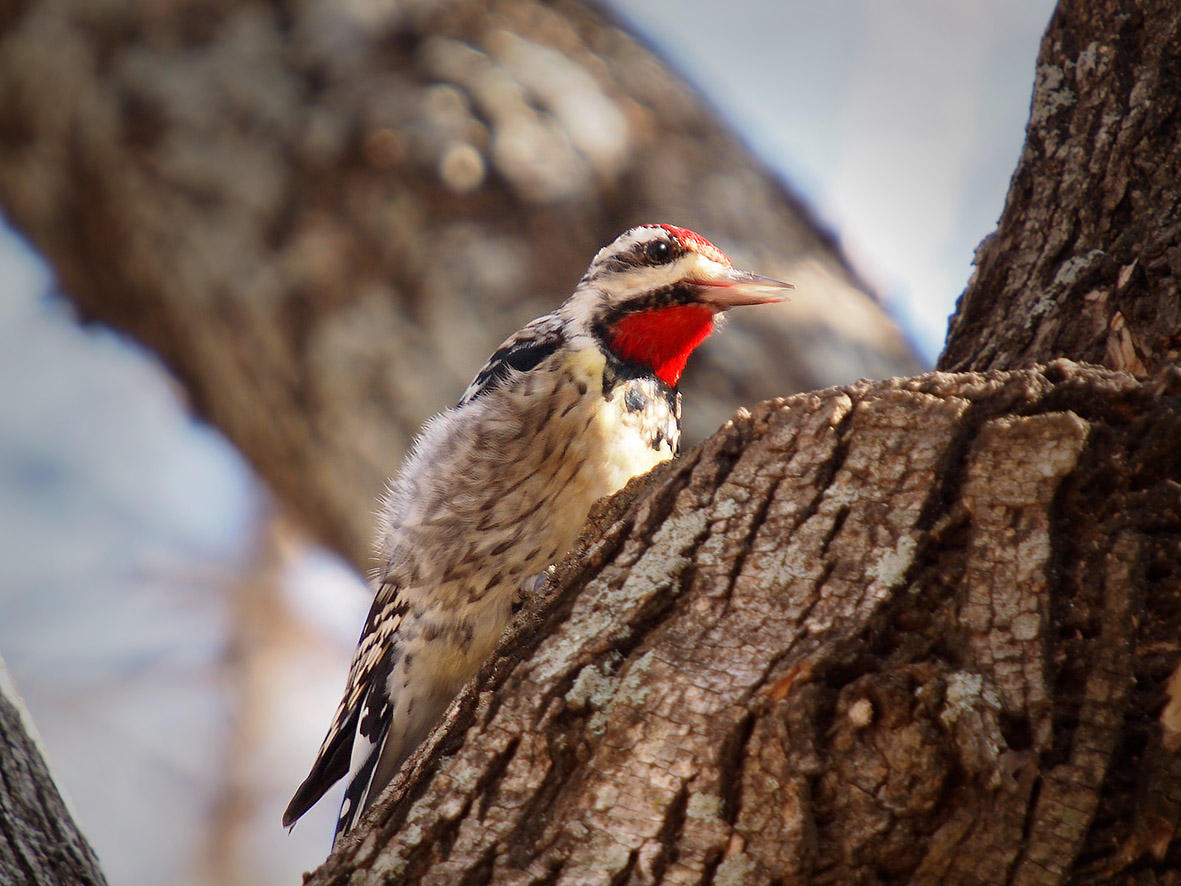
[728, 288]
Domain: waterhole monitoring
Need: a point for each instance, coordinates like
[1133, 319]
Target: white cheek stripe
[589, 302]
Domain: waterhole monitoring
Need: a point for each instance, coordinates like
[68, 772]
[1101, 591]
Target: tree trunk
[1085, 262]
[914, 630]
[39, 841]
[921, 630]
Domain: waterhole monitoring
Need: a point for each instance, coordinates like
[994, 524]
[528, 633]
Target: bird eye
[658, 252]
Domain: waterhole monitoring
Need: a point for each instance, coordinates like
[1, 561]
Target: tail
[373, 732]
[354, 749]
[387, 733]
[332, 764]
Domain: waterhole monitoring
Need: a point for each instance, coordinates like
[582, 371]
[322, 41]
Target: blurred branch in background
[317, 214]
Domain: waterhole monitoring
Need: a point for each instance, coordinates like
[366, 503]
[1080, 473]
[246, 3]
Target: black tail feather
[331, 766]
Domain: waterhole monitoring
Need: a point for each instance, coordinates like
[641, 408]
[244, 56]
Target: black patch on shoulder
[525, 358]
[521, 355]
[634, 401]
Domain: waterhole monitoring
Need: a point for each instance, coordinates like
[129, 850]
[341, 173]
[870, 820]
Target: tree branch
[1086, 260]
[39, 841]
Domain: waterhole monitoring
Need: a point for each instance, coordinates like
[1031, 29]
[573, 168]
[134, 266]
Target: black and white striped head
[652, 294]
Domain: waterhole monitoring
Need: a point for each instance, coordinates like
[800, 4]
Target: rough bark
[39, 841]
[915, 630]
[322, 216]
[1086, 260]
[922, 630]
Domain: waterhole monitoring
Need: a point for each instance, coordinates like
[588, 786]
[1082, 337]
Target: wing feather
[373, 731]
[375, 650]
[521, 352]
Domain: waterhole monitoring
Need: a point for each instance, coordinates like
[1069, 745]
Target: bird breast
[498, 489]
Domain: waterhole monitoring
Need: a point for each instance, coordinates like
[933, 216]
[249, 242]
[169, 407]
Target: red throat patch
[662, 339]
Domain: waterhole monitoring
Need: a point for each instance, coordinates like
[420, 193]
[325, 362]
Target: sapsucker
[565, 412]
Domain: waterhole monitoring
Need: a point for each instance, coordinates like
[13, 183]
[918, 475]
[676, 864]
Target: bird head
[653, 294]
